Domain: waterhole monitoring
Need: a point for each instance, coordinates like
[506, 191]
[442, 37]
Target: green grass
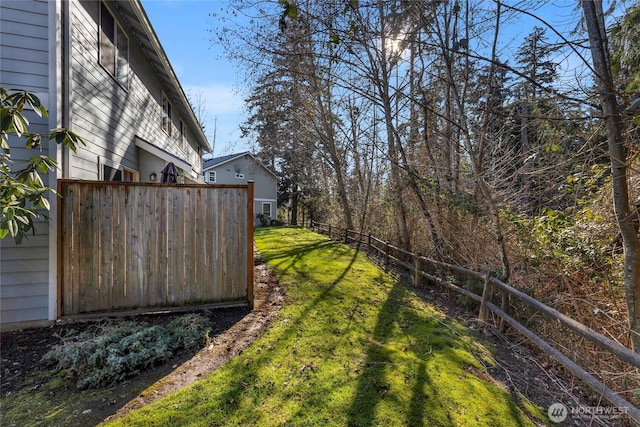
[351, 347]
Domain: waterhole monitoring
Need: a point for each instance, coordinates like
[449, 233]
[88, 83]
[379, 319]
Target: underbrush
[569, 261]
[111, 353]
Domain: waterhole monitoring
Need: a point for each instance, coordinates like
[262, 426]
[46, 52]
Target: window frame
[119, 68]
[183, 136]
[239, 175]
[166, 115]
[265, 204]
[124, 171]
[209, 180]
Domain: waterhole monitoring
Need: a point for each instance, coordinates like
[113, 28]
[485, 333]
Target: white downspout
[59, 95]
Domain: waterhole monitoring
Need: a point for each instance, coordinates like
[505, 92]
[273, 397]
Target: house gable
[240, 168]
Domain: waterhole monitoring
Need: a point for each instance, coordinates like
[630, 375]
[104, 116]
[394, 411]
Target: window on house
[114, 47]
[111, 172]
[129, 176]
[239, 175]
[211, 176]
[166, 114]
[183, 136]
[266, 209]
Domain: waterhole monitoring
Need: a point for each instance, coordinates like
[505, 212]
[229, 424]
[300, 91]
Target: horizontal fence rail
[414, 263]
[124, 246]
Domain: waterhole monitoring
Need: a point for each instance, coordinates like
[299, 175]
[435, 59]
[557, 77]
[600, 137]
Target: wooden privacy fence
[125, 246]
[417, 264]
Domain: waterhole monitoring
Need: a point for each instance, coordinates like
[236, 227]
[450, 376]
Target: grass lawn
[351, 347]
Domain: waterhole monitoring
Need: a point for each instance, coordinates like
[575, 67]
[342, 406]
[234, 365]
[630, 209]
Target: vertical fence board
[163, 248]
[129, 245]
[121, 249]
[103, 257]
[210, 246]
[190, 260]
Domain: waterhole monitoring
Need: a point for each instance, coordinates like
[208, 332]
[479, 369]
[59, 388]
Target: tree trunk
[618, 155]
[294, 207]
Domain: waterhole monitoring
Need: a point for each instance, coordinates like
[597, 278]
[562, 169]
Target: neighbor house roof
[217, 161]
[138, 21]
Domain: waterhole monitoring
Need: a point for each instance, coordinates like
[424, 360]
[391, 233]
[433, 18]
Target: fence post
[416, 278]
[386, 257]
[250, 261]
[346, 235]
[369, 242]
[505, 308]
[329, 231]
[487, 294]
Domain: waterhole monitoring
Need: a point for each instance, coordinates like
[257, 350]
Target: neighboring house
[240, 168]
[100, 70]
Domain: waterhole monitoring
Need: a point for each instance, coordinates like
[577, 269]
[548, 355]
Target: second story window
[183, 136]
[211, 176]
[166, 114]
[114, 47]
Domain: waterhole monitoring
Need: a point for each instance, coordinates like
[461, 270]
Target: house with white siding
[99, 69]
[239, 169]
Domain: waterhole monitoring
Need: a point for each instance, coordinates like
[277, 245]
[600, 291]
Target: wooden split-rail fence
[135, 246]
[419, 266]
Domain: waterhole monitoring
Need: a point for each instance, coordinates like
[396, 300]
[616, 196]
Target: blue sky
[183, 29]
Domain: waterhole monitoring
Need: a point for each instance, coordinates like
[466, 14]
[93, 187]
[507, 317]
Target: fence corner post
[386, 257]
[250, 261]
[487, 294]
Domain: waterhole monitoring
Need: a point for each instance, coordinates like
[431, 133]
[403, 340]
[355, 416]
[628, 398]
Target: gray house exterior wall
[25, 59]
[51, 48]
[241, 168]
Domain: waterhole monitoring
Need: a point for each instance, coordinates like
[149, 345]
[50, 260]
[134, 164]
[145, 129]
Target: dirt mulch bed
[233, 329]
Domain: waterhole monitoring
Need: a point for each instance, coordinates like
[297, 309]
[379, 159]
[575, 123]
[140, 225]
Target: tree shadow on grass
[430, 403]
[249, 372]
[272, 367]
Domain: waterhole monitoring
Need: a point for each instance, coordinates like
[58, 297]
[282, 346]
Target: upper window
[183, 135]
[166, 114]
[211, 176]
[114, 47]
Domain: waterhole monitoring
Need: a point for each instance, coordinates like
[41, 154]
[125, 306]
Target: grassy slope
[351, 347]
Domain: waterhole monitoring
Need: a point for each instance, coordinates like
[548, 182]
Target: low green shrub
[113, 353]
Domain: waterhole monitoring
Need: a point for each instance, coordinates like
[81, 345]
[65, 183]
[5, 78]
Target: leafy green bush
[23, 194]
[264, 219]
[114, 353]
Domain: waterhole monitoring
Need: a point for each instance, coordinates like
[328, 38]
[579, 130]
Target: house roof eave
[149, 42]
[233, 157]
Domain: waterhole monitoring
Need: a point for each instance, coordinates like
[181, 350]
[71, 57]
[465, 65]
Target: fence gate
[126, 246]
